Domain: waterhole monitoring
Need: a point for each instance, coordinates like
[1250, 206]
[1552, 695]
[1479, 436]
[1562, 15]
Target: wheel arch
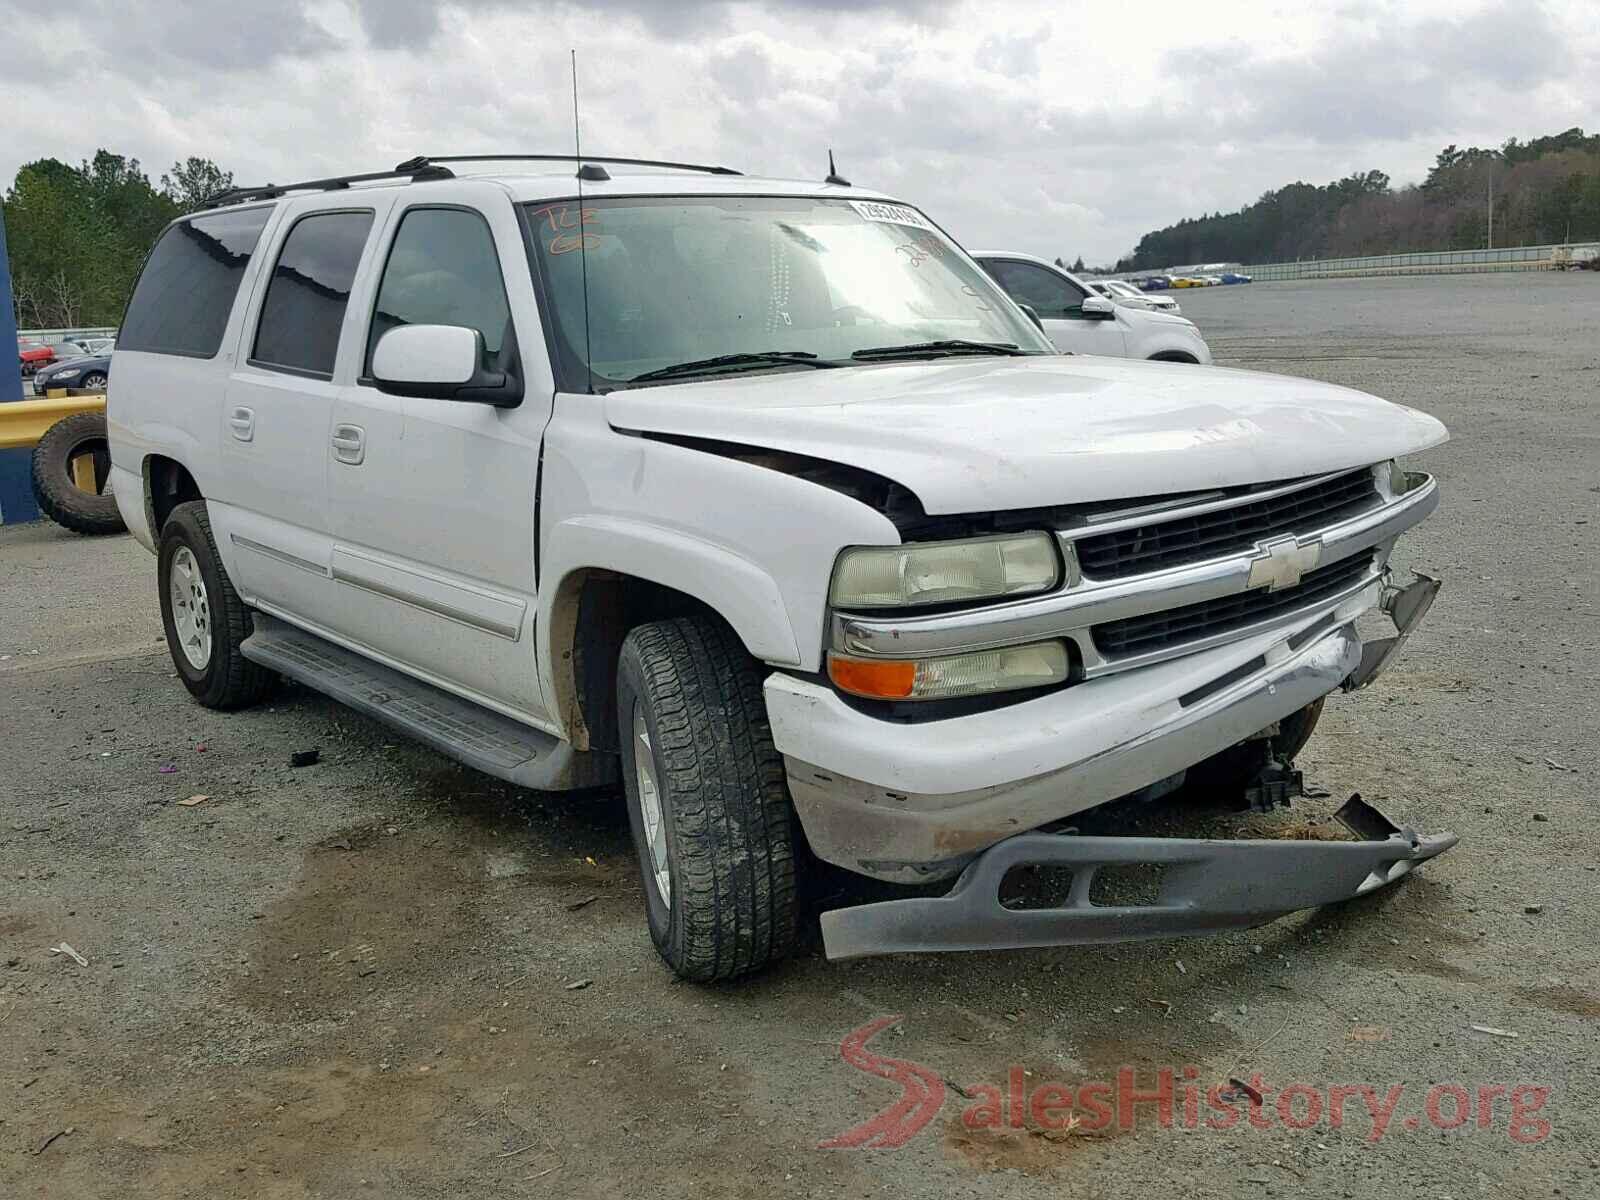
[167, 484]
[590, 616]
[608, 574]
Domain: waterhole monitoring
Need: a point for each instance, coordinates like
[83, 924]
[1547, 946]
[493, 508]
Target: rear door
[432, 501]
[1059, 303]
[176, 349]
[278, 406]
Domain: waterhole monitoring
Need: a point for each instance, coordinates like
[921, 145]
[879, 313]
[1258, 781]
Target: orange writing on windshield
[565, 228]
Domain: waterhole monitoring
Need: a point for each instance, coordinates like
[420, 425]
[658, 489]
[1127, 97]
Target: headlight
[952, 572]
[72, 374]
[982, 671]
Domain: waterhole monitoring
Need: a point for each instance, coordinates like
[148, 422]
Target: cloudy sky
[1057, 128]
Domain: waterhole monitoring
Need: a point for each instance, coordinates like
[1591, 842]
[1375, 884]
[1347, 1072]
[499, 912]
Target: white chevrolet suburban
[762, 499]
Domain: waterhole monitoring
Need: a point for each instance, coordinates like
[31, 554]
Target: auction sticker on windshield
[894, 214]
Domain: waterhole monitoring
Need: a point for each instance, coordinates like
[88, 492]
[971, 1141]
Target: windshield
[674, 281]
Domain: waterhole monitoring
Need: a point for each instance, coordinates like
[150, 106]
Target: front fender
[1168, 342]
[755, 544]
[744, 594]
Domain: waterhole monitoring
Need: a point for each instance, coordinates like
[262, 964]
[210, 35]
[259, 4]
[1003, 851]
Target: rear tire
[204, 619]
[708, 804]
[55, 487]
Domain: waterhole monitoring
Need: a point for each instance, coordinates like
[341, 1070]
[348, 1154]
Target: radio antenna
[583, 237]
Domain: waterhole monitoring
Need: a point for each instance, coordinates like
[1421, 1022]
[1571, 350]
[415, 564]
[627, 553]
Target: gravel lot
[361, 977]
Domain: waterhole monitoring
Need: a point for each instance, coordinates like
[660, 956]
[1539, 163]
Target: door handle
[243, 423]
[350, 444]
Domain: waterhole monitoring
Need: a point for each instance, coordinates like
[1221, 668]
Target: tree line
[1542, 191]
[77, 236]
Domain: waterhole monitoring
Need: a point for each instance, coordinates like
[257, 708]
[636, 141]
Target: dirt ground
[387, 975]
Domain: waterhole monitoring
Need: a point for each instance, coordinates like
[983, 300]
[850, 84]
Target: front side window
[186, 291]
[1040, 288]
[304, 308]
[443, 270]
[637, 286]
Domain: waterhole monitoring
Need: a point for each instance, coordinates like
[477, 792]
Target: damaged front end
[1405, 607]
[1202, 633]
[1206, 887]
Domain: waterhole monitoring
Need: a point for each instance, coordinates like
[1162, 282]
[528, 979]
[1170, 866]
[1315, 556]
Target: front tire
[205, 621]
[713, 826]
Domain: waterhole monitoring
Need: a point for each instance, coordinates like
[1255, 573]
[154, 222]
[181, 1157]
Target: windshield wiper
[762, 358]
[937, 349]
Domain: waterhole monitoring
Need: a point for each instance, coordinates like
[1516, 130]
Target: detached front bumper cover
[1206, 887]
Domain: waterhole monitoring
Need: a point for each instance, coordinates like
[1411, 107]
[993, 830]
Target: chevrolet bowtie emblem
[1281, 562]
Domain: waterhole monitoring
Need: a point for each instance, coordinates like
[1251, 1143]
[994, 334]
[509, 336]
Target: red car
[34, 355]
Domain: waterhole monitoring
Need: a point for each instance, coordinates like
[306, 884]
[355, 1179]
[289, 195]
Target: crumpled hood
[976, 435]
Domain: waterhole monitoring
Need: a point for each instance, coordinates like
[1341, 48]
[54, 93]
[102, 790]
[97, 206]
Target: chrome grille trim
[1153, 541]
[1197, 505]
[1072, 612]
[1139, 637]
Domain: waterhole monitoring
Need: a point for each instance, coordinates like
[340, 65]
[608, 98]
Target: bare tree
[25, 298]
[63, 301]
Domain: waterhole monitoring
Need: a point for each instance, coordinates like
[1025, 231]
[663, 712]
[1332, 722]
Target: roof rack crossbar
[601, 158]
[413, 169]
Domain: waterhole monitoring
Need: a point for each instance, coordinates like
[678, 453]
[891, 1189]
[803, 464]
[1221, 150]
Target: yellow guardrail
[23, 422]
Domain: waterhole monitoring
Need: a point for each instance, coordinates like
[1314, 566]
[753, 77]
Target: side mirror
[1032, 314]
[440, 362]
[1098, 308]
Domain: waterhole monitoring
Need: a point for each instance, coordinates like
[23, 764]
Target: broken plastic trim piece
[1206, 887]
[1406, 607]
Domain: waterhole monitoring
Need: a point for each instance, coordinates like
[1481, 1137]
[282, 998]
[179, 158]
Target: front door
[1059, 303]
[432, 501]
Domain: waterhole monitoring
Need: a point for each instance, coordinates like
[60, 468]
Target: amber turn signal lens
[879, 679]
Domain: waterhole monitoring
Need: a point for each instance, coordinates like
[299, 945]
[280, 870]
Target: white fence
[56, 335]
[1433, 262]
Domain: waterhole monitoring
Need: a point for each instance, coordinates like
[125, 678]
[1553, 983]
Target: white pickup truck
[762, 499]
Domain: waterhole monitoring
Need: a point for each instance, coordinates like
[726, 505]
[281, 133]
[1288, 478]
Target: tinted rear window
[304, 309]
[185, 293]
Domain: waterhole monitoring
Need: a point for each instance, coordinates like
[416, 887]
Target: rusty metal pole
[16, 489]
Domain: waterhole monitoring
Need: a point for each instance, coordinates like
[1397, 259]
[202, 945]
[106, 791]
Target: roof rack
[425, 167]
[415, 168]
[577, 158]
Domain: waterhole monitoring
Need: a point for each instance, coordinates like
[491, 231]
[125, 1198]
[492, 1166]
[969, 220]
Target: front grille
[1192, 622]
[1177, 541]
